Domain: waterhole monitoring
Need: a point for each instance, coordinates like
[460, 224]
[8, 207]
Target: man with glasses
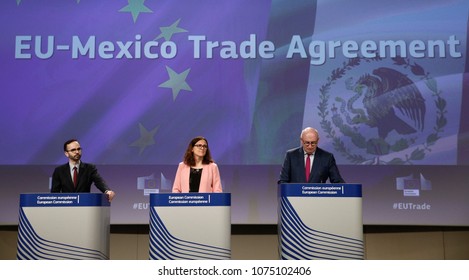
[308, 163]
[77, 176]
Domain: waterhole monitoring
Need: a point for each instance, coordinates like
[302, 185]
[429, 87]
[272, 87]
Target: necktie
[307, 167]
[75, 176]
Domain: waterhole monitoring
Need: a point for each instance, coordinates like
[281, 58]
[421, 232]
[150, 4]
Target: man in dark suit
[321, 164]
[77, 176]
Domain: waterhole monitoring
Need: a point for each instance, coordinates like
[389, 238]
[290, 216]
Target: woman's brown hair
[189, 156]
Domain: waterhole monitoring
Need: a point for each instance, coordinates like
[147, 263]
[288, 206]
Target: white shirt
[71, 169]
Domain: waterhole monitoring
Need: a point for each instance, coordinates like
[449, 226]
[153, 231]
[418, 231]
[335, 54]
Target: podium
[190, 226]
[320, 221]
[66, 226]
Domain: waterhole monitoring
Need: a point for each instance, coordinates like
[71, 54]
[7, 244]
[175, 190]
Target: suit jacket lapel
[316, 164]
[81, 171]
[68, 174]
[301, 162]
[203, 178]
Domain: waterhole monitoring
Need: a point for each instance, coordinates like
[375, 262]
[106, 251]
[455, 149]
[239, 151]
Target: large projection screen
[384, 82]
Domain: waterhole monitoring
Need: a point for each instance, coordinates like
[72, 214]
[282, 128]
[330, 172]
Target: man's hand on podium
[110, 195]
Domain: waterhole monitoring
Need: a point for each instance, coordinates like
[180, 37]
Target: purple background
[251, 110]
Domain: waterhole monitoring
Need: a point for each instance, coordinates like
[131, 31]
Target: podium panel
[320, 221]
[190, 226]
[66, 226]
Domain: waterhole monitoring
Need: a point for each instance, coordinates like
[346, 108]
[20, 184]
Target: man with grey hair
[308, 163]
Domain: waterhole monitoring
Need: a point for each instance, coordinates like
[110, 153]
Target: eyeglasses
[75, 150]
[201, 146]
[313, 143]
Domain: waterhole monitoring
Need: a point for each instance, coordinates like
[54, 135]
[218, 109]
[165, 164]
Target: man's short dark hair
[68, 142]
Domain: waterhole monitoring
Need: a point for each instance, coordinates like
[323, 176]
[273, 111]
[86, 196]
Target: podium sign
[320, 221]
[190, 226]
[65, 226]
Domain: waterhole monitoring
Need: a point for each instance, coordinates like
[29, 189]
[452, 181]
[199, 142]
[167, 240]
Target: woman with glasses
[198, 172]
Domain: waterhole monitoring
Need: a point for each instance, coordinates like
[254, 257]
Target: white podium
[190, 226]
[66, 226]
[320, 221]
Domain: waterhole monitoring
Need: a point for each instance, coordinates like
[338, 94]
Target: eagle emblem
[383, 122]
[386, 91]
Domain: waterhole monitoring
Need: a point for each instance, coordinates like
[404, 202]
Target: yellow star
[168, 31]
[176, 82]
[146, 138]
[136, 7]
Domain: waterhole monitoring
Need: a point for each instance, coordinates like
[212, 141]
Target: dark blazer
[87, 175]
[324, 167]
